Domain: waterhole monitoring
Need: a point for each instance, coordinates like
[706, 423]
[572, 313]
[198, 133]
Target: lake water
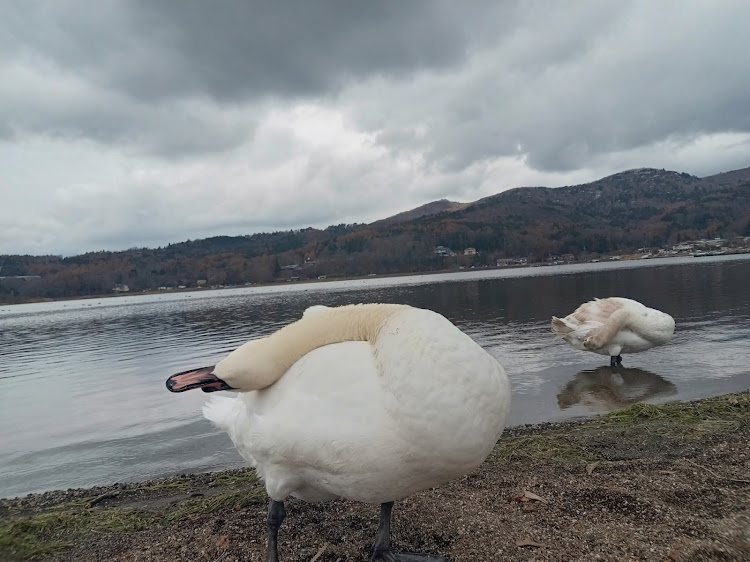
[83, 401]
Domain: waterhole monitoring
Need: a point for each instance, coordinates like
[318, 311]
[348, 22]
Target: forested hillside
[619, 213]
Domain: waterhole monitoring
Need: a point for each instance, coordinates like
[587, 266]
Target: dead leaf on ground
[529, 496]
[591, 467]
[676, 550]
[223, 542]
[528, 542]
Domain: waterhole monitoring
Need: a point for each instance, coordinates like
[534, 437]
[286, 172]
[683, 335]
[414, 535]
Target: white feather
[414, 405]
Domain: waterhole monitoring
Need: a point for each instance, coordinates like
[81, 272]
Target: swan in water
[613, 326]
[371, 402]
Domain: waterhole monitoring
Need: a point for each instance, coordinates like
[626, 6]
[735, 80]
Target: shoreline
[334, 279]
[668, 483]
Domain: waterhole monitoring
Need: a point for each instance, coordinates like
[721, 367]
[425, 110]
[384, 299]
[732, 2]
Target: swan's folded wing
[302, 413]
[598, 310]
[570, 330]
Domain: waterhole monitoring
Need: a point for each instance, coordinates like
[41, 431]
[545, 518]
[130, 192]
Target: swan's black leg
[276, 514]
[612, 361]
[382, 551]
[619, 359]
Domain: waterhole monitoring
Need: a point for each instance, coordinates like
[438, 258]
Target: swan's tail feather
[231, 415]
[220, 411]
[561, 328]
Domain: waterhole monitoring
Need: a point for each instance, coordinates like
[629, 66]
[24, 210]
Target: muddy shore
[668, 483]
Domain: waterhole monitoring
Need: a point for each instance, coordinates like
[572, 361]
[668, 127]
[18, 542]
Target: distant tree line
[651, 208]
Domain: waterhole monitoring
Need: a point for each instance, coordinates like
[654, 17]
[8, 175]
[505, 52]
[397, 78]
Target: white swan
[371, 402]
[613, 326]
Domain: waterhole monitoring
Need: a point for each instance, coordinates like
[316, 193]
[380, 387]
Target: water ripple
[83, 381]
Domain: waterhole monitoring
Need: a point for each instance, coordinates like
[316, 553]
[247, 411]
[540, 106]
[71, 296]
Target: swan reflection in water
[612, 388]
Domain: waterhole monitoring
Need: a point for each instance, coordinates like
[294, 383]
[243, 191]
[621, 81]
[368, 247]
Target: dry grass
[688, 420]
[686, 473]
[30, 536]
[539, 447]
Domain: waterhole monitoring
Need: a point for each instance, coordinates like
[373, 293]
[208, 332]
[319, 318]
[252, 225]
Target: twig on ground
[320, 552]
[718, 475]
[103, 497]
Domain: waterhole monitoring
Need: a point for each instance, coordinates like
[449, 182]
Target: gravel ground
[665, 483]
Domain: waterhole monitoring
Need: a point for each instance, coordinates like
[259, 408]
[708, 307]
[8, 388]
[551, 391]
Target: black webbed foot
[382, 551]
[615, 360]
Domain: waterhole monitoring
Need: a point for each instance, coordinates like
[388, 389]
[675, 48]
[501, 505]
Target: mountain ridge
[642, 207]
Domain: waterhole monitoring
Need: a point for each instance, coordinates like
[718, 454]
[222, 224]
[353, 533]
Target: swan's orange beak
[202, 378]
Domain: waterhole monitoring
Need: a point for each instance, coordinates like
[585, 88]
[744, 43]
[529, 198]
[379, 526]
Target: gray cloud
[566, 89]
[140, 123]
[236, 50]
[120, 72]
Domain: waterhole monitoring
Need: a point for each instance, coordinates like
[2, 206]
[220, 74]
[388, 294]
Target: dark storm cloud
[236, 50]
[117, 72]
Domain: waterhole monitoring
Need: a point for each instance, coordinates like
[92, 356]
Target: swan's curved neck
[260, 363]
[330, 325]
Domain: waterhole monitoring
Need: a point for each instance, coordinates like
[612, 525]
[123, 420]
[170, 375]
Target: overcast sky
[141, 123]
